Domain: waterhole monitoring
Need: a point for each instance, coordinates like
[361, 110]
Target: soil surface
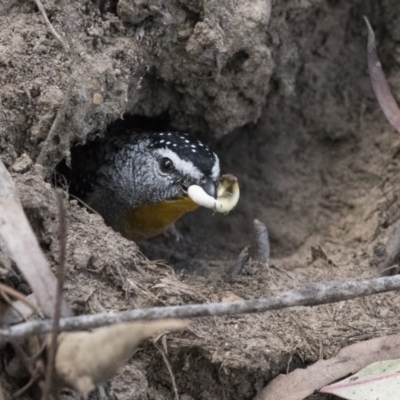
[280, 90]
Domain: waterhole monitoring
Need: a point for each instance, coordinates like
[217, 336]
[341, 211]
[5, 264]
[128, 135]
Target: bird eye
[166, 165]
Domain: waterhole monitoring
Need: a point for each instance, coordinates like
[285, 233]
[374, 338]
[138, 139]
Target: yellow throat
[152, 219]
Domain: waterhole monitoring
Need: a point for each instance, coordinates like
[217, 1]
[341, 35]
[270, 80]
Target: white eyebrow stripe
[183, 166]
[215, 172]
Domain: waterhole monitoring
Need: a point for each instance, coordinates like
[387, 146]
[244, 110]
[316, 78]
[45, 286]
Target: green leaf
[378, 381]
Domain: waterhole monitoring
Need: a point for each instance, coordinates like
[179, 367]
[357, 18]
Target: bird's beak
[210, 187]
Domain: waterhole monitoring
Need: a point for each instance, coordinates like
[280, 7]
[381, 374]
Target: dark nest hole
[295, 182]
[177, 246]
[278, 186]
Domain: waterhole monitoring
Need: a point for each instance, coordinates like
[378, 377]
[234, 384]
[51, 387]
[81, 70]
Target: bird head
[176, 162]
[141, 186]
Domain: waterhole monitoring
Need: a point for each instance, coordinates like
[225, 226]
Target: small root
[168, 365]
[50, 25]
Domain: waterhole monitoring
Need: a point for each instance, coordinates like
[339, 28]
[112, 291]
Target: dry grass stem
[50, 26]
[168, 365]
[17, 295]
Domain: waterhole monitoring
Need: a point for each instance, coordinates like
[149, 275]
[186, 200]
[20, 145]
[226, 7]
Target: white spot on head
[187, 141]
[162, 141]
[185, 167]
[193, 151]
[161, 134]
[193, 145]
[169, 134]
[168, 142]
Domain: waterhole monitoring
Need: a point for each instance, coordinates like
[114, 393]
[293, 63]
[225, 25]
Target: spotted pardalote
[139, 182]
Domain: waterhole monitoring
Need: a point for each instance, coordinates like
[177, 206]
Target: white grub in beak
[228, 195]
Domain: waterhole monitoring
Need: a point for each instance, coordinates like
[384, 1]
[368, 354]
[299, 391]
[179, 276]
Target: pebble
[22, 164]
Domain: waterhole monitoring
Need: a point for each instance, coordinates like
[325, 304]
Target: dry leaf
[302, 382]
[24, 249]
[379, 83]
[380, 380]
[85, 359]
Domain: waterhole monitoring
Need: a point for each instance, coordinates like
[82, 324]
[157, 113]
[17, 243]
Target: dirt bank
[281, 92]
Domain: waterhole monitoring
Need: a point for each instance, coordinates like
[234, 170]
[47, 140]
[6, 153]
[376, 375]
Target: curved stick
[379, 83]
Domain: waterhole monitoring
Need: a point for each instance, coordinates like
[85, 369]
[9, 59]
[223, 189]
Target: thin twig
[310, 295]
[168, 365]
[17, 295]
[23, 357]
[57, 308]
[241, 261]
[379, 83]
[32, 380]
[50, 26]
